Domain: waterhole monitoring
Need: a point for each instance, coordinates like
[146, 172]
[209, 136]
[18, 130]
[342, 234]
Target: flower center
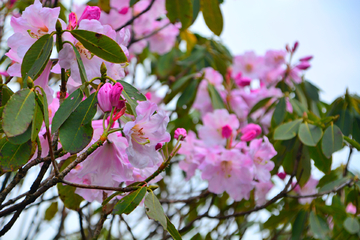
[226, 167]
[138, 135]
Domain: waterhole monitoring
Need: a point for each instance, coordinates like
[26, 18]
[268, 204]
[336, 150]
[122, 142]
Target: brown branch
[135, 17]
[348, 162]
[48, 136]
[119, 189]
[83, 237]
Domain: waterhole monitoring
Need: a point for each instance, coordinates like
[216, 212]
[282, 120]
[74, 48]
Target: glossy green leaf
[311, 91]
[80, 64]
[132, 95]
[51, 211]
[345, 122]
[105, 5]
[13, 156]
[37, 122]
[37, 57]
[45, 107]
[212, 15]
[128, 203]
[280, 112]
[18, 112]
[188, 95]
[196, 9]
[318, 226]
[356, 129]
[353, 143]
[180, 10]
[304, 169]
[260, 104]
[321, 161]
[76, 132]
[287, 130]
[352, 225]
[197, 54]
[133, 2]
[22, 138]
[172, 230]
[334, 184]
[66, 108]
[215, 97]
[299, 225]
[100, 45]
[154, 209]
[309, 134]
[67, 193]
[298, 107]
[6, 94]
[332, 140]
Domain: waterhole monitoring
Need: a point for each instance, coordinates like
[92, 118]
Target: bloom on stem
[104, 97]
[115, 94]
[250, 132]
[180, 132]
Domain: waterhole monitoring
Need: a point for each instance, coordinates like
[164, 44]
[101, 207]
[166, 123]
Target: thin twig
[348, 162]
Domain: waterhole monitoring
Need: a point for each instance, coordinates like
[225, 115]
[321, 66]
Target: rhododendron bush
[120, 121]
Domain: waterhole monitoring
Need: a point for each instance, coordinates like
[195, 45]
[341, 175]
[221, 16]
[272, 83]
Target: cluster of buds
[109, 98]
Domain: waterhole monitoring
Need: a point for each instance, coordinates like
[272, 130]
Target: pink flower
[115, 94]
[211, 131]
[261, 153]
[180, 132]
[144, 133]
[238, 104]
[104, 97]
[90, 13]
[308, 189]
[164, 40]
[250, 132]
[261, 189]
[228, 171]
[274, 58]
[248, 64]
[350, 208]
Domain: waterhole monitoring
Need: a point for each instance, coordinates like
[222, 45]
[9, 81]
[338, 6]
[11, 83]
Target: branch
[348, 161]
[149, 35]
[119, 189]
[135, 17]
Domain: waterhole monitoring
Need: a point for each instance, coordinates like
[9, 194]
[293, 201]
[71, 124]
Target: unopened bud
[305, 59]
[296, 44]
[115, 94]
[72, 21]
[30, 82]
[180, 132]
[104, 97]
[58, 26]
[287, 48]
[303, 65]
[90, 13]
[103, 69]
[226, 131]
[158, 146]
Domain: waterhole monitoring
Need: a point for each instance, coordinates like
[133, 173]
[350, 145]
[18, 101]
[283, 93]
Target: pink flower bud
[351, 208]
[104, 97]
[226, 131]
[158, 146]
[250, 132]
[296, 44]
[180, 132]
[90, 13]
[124, 10]
[287, 48]
[303, 65]
[72, 21]
[243, 82]
[281, 175]
[115, 94]
[305, 59]
[148, 95]
[58, 95]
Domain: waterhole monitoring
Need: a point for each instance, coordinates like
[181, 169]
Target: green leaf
[172, 230]
[154, 209]
[105, 5]
[311, 91]
[352, 225]
[280, 111]
[18, 112]
[332, 140]
[37, 122]
[196, 9]
[180, 10]
[188, 95]
[13, 156]
[298, 107]
[67, 193]
[66, 108]
[197, 54]
[260, 104]
[318, 226]
[81, 67]
[345, 122]
[45, 107]
[353, 143]
[334, 184]
[215, 97]
[133, 2]
[100, 45]
[212, 15]
[287, 130]
[321, 161]
[6, 93]
[356, 129]
[128, 203]
[304, 170]
[36, 58]
[132, 95]
[51, 211]
[76, 132]
[22, 138]
[309, 134]
[299, 225]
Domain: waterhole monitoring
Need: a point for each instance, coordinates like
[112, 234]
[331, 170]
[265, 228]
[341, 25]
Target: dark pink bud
[296, 44]
[104, 97]
[303, 65]
[250, 132]
[148, 95]
[281, 175]
[115, 94]
[72, 21]
[180, 132]
[226, 131]
[287, 48]
[158, 146]
[305, 59]
[91, 13]
[248, 136]
[124, 10]
[243, 82]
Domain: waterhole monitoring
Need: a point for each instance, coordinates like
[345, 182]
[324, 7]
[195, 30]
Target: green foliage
[332, 140]
[100, 45]
[212, 15]
[180, 10]
[279, 113]
[51, 211]
[132, 95]
[287, 130]
[13, 156]
[318, 226]
[128, 203]
[215, 97]
[154, 209]
[351, 224]
[309, 134]
[299, 225]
